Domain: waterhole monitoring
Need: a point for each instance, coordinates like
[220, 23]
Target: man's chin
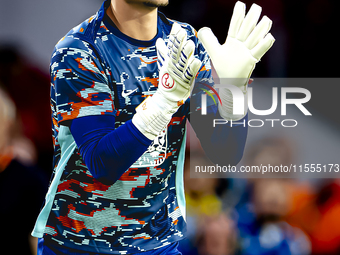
[156, 3]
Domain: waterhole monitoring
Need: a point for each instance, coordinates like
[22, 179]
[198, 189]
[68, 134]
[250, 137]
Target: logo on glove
[165, 81]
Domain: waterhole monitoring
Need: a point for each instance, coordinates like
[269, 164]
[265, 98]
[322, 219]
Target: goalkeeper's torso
[144, 209]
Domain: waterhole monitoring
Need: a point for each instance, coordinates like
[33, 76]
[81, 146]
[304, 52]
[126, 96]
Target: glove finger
[263, 46]
[237, 19]
[259, 32]
[192, 70]
[162, 52]
[174, 30]
[209, 41]
[186, 53]
[179, 40]
[249, 22]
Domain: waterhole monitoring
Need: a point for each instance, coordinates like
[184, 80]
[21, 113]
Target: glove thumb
[209, 41]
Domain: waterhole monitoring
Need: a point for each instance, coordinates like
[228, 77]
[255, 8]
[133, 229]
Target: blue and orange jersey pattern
[97, 70]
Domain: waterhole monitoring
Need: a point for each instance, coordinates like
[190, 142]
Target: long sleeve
[106, 151]
[222, 144]
[85, 103]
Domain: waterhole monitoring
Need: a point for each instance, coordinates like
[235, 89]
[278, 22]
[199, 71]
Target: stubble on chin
[156, 3]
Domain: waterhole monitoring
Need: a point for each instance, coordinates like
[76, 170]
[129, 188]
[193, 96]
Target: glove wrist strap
[153, 115]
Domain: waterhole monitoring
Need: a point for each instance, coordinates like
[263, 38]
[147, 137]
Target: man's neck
[134, 19]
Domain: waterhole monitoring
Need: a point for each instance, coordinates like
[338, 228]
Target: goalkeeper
[120, 90]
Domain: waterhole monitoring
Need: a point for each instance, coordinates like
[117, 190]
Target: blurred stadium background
[225, 216]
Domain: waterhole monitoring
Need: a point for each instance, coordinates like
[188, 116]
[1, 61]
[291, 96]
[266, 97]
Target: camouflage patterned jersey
[97, 70]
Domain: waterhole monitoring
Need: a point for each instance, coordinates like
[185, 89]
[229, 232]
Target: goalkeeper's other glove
[235, 60]
[178, 69]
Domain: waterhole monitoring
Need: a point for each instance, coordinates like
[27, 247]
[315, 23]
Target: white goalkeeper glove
[235, 60]
[178, 69]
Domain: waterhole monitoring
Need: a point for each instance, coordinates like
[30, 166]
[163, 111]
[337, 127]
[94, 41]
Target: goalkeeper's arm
[109, 152]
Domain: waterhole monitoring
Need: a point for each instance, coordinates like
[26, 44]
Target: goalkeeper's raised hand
[245, 45]
[177, 71]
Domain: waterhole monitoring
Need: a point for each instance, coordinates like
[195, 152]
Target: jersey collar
[113, 28]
